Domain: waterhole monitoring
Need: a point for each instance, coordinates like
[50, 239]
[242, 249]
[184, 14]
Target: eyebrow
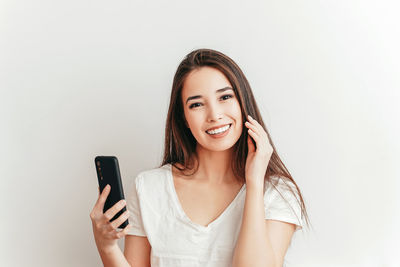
[218, 91]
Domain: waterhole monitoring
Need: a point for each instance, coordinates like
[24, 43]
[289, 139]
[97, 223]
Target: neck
[215, 167]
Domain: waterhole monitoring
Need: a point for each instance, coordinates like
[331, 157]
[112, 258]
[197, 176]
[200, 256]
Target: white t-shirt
[175, 240]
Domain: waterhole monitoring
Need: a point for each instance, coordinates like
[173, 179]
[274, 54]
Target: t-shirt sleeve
[133, 206]
[276, 208]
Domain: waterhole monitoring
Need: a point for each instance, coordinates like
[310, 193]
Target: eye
[225, 97]
[194, 105]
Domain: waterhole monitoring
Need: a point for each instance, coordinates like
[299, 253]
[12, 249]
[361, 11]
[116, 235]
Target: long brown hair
[180, 144]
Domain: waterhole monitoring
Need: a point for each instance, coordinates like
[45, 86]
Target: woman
[222, 196]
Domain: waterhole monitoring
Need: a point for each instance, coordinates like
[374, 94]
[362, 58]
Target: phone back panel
[107, 168]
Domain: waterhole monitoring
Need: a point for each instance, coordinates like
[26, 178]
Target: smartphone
[107, 168]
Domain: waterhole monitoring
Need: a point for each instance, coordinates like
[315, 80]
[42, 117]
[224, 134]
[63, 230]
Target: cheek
[237, 113]
[240, 124]
[239, 120]
[193, 119]
[189, 119]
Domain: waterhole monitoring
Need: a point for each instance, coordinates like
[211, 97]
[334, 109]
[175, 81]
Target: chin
[221, 149]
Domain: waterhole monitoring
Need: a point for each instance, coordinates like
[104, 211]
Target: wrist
[255, 185]
[254, 181]
[108, 249]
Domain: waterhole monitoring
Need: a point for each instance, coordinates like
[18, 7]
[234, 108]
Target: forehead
[205, 80]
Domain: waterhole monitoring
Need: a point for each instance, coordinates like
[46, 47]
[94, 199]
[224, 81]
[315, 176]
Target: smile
[219, 130]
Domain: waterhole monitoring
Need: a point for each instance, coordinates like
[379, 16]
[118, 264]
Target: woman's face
[211, 109]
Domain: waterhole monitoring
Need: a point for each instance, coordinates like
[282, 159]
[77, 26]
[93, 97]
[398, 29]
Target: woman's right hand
[105, 232]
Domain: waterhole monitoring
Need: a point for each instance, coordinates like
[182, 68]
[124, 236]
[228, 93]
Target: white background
[86, 78]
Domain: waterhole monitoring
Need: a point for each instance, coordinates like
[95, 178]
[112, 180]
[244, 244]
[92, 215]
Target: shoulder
[282, 201]
[280, 185]
[152, 174]
[152, 180]
[152, 189]
[282, 194]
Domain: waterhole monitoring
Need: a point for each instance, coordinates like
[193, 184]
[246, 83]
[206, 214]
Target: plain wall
[86, 78]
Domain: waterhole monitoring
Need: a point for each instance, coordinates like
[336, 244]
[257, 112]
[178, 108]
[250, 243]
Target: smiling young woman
[221, 196]
[211, 110]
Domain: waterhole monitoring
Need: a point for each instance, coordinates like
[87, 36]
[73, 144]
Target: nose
[214, 113]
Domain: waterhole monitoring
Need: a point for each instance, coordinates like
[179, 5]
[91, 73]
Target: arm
[261, 242]
[113, 257]
[253, 247]
[137, 251]
[105, 232]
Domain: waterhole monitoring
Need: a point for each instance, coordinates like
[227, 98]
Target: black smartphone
[107, 168]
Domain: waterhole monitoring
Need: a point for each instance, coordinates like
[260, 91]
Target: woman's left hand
[258, 155]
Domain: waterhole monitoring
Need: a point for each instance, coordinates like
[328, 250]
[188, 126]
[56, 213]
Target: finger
[252, 127]
[122, 218]
[260, 142]
[124, 232]
[110, 213]
[250, 145]
[260, 128]
[256, 139]
[254, 136]
[103, 197]
[264, 139]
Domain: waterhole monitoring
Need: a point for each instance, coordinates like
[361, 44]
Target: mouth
[220, 130]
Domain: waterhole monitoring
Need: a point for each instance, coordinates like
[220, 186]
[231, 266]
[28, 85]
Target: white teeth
[219, 130]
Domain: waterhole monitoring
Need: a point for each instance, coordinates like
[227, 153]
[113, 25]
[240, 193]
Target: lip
[221, 135]
[216, 127]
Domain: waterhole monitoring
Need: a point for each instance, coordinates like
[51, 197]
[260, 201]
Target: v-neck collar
[182, 212]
